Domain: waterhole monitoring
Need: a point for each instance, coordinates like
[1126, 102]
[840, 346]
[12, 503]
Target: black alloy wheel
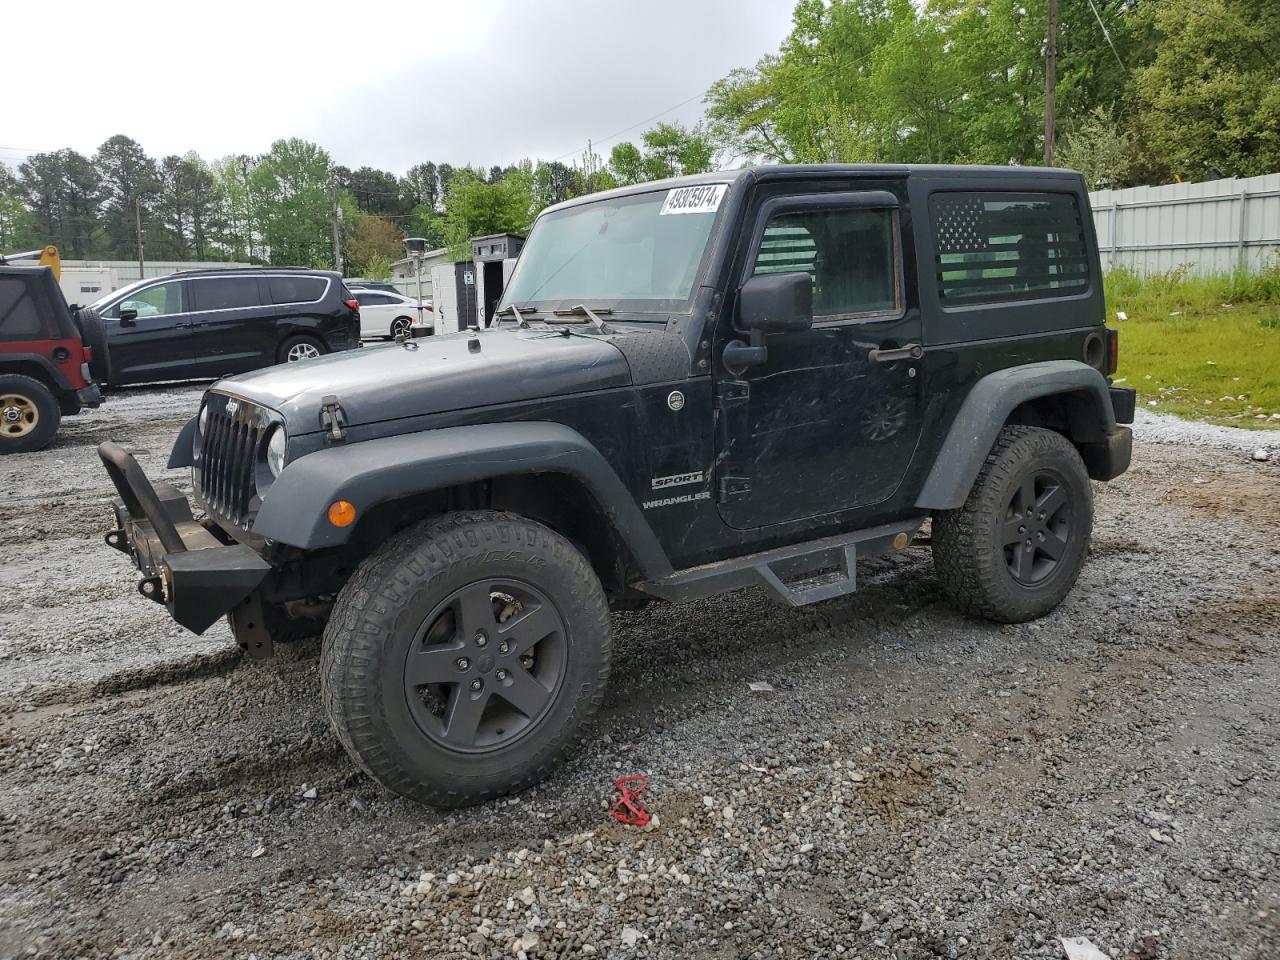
[485, 665]
[1037, 528]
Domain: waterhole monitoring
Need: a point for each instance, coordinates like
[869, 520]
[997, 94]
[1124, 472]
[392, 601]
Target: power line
[1106, 33]
[612, 136]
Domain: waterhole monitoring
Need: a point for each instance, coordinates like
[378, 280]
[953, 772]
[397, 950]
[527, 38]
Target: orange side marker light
[342, 513]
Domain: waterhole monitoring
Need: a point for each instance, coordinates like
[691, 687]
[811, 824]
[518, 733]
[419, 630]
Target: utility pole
[137, 219]
[337, 226]
[1050, 80]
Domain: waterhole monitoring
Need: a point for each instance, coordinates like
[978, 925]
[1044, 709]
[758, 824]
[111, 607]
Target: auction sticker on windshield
[703, 199]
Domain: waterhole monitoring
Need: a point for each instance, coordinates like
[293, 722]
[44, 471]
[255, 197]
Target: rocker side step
[796, 575]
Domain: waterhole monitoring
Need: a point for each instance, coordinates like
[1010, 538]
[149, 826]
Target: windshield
[644, 247]
[115, 294]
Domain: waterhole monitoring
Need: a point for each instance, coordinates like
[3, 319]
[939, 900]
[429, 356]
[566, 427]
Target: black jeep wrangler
[744, 378]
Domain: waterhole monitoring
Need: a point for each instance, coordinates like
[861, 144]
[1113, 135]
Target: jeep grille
[229, 455]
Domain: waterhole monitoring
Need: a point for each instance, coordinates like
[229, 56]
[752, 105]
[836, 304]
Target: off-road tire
[373, 626]
[967, 551]
[31, 395]
[282, 355]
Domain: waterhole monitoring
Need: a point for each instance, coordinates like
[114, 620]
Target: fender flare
[56, 376]
[984, 412]
[371, 472]
[183, 453]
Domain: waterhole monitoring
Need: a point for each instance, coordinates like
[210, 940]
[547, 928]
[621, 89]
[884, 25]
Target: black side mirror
[128, 318]
[773, 303]
[777, 303]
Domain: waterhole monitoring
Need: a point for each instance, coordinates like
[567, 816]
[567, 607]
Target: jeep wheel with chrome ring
[463, 656]
[29, 414]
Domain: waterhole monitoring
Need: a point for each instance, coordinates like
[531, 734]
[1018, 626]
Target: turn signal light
[1113, 351]
[342, 513]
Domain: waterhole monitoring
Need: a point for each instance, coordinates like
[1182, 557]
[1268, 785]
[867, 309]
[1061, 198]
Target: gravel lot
[917, 785]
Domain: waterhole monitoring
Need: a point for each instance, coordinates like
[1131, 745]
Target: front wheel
[464, 655]
[1016, 547]
[29, 414]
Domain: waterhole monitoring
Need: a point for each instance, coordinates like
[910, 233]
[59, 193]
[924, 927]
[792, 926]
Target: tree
[241, 236]
[375, 191]
[670, 150]
[553, 183]
[62, 194]
[292, 203]
[1100, 149]
[421, 185]
[474, 208]
[1209, 100]
[371, 238]
[15, 219]
[129, 183]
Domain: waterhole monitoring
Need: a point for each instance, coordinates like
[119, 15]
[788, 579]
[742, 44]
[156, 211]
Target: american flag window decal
[994, 247]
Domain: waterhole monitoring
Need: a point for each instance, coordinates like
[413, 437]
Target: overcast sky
[383, 84]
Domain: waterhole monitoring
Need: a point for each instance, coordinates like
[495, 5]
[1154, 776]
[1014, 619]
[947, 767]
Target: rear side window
[995, 247]
[849, 252]
[225, 293]
[295, 289]
[19, 314]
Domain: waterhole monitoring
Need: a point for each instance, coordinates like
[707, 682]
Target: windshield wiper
[515, 312]
[582, 310]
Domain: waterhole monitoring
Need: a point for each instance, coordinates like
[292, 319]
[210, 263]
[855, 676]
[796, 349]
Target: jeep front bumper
[195, 574]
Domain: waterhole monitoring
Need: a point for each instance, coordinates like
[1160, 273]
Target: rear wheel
[399, 326]
[299, 348]
[463, 656]
[29, 414]
[1016, 547]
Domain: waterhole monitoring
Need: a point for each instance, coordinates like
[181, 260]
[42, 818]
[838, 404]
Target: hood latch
[333, 419]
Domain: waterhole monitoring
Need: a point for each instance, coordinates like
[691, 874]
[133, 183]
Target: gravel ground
[917, 785]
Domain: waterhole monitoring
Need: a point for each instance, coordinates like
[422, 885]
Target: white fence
[1213, 227]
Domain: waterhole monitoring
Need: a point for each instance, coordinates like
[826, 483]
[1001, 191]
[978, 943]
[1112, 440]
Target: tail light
[354, 305]
[428, 309]
[1113, 352]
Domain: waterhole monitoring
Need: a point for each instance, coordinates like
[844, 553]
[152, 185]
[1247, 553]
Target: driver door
[830, 420]
[157, 343]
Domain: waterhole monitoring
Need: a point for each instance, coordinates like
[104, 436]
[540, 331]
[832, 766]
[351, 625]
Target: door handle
[911, 351]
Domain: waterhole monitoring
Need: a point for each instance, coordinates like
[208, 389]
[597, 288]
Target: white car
[385, 314]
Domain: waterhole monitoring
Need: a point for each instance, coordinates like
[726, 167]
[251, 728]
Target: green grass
[1207, 348]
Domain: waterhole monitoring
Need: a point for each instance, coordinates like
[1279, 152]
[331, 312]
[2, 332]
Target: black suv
[211, 323]
[752, 378]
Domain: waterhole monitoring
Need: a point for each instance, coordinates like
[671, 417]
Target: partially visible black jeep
[743, 378]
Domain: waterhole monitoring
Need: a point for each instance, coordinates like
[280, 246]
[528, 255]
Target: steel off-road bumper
[195, 574]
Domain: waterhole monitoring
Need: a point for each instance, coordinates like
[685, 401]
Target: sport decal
[679, 480]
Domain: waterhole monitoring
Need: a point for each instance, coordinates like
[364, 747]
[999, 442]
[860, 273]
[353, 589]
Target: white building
[404, 280]
[84, 281]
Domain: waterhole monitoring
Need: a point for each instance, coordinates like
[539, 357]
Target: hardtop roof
[797, 171]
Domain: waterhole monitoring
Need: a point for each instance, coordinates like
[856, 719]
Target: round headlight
[276, 447]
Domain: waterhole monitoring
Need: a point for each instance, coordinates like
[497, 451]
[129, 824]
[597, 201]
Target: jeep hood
[435, 375]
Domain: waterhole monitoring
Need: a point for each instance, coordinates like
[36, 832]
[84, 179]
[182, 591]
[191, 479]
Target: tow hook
[152, 588]
[116, 541]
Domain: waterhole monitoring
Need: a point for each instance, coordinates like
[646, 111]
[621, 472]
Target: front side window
[158, 301]
[850, 252]
[995, 247]
[646, 248]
